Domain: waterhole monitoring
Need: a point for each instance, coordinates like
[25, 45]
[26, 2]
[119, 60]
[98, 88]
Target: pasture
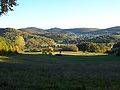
[34, 71]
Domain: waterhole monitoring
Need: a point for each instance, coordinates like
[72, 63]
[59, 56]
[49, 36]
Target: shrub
[48, 50]
[73, 48]
[34, 49]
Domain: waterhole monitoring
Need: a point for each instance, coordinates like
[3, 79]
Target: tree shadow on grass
[65, 75]
[43, 57]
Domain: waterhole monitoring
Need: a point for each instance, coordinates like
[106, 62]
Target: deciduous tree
[20, 42]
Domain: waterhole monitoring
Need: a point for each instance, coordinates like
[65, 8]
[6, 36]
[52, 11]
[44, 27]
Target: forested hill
[32, 41]
[63, 36]
[111, 30]
[33, 30]
[74, 31]
[75, 35]
[59, 30]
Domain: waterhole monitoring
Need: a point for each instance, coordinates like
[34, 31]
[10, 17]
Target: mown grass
[45, 72]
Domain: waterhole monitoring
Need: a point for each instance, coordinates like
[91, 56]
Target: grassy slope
[44, 72]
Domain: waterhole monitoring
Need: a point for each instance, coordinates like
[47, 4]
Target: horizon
[60, 28]
[63, 14]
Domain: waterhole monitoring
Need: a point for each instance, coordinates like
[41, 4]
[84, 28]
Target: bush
[48, 50]
[34, 49]
[73, 48]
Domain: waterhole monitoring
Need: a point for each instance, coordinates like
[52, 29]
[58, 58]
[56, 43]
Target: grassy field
[44, 72]
[79, 53]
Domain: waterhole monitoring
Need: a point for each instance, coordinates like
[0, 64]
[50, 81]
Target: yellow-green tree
[20, 43]
[3, 45]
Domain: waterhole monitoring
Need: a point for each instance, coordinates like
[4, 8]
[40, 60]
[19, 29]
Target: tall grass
[44, 72]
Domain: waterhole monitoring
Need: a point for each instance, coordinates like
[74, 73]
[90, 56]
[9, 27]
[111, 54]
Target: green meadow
[34, 71]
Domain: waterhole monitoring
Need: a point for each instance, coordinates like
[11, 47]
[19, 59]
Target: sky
[63, 14]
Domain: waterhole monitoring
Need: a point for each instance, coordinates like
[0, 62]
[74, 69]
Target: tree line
[35, 43]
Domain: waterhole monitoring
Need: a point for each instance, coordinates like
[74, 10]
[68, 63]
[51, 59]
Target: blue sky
[63, 14]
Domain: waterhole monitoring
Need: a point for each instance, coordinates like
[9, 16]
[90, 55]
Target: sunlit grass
[79, 53]
[74, 56]
[70, 53]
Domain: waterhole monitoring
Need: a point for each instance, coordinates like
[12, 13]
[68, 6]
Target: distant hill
[72, 30]
[111, 30]
[55, 30]
[5, 30]
[32, 30]
[76, 31]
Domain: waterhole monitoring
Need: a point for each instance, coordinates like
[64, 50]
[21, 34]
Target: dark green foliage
[117, 45]
[59, 38]
[116, 49]
[118, 52]
[88, 46]
[7, 5]
[93, 47]
[105, 39]
[69, 47]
